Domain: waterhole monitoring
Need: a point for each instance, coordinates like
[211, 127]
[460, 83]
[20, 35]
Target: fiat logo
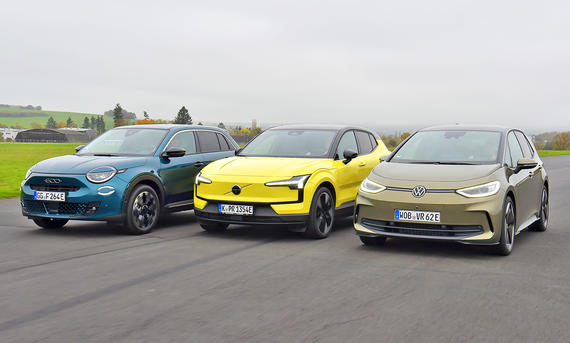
[52, 180]
[236, 189]
[418, 191]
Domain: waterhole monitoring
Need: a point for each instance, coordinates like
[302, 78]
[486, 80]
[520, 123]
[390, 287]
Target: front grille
[50, 207]
[54, 188]
[421, 229]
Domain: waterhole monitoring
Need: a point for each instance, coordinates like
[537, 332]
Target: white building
[10, 133]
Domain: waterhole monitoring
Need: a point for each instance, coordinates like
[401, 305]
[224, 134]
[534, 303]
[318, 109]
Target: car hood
[74, 164]
[433, 172]
[262, 166]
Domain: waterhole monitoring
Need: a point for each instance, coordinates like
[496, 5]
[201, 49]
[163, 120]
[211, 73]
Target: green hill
[10, 116]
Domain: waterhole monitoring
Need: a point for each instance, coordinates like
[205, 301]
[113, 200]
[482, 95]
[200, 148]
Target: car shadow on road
[446, 249]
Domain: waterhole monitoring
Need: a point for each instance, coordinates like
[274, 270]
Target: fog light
[105, 190]
[92, 208]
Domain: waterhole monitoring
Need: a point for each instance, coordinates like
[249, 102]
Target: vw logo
[418, 191]
[236, 189]
[51, 180]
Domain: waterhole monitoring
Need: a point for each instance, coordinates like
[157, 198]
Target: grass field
[8, 118]
[544, 153]
[17, 158]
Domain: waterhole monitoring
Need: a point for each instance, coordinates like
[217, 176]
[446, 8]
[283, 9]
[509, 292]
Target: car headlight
[296, 182]
[101, 174]
[201, 179]
[28, 174]
[480, 191]
[371, 186]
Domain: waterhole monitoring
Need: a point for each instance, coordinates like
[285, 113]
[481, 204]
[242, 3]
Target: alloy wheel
[544, 210]
[324, 213]
[144, 210]
[509, 225]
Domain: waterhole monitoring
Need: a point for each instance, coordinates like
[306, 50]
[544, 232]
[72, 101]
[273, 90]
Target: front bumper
[263, 214]
[83, 198]
[465, 220]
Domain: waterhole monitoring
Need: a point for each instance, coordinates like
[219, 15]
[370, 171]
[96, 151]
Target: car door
[521, 180]
[178, 173]
[535, 187]
[367, 161]
[347, 175]
[213, 146]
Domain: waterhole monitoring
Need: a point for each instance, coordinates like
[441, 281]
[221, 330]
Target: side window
[515, 149]
[527, 152]
[348, 141]
[223, 143]
[373, 141]
[185, 140]
[363, 142]
[208, 141]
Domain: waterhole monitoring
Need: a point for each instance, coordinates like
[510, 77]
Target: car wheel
[507, 240]
[50, 223]
[372, 240]
[542, 223]
[143, 209]
[321, 215]
[214, 227]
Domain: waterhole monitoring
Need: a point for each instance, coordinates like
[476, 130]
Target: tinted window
[364, 142]
[450, 146]
[373, 141]
[524, 144]
[208, 141]
[515, 149]
[348, 141]
[290, 143]
[185, 140]
[223, 143]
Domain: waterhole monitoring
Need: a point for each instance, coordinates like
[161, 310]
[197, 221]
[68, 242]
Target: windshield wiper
[441, 162]
[104, 154]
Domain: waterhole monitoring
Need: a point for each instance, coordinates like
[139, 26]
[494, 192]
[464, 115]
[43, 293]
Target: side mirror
[525, 163]
[173, 152]
[349, 155]
[79, 147]
[385, 157]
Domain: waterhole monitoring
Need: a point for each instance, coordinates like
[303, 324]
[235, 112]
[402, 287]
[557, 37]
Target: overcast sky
[408, 63]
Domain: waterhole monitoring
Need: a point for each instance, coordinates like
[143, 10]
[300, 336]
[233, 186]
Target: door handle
[199, 164]
[362, 164]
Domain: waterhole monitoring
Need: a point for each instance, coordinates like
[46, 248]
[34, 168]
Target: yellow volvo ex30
[298, 175]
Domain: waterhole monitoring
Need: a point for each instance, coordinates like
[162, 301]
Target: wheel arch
[144, 179]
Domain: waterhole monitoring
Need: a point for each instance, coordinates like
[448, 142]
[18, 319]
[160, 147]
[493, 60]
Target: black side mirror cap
[173, 152]
[525, 163]
[79, 147]
[349, 155]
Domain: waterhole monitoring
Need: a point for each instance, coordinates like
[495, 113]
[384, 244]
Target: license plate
[242, 210]
[417, 216]
[49, 196]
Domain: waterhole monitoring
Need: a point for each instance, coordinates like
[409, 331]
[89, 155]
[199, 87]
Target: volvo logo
[236, 189]
[52, 180]
[418, 191]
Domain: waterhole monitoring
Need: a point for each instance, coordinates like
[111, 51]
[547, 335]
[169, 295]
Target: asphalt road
[91, 283]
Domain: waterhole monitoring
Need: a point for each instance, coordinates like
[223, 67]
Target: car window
[348, 141]
[208, 141]
[363, 142]
[309, 143]
[223, 143]
[373, 141]
[524, 144]
[184, 140]
[514, 148]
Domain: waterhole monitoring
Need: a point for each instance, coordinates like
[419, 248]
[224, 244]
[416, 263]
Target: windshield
[131, 141]
[291, 143]
[450, 147]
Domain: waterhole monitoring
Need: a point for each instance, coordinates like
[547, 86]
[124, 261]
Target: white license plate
[49, 196]
[417, 216]
[242, 210]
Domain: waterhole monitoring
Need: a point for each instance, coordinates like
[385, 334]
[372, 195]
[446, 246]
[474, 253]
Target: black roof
[335, 127]
[495, 128]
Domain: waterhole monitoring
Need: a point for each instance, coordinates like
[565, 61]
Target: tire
[321, 215]
[214, 227]
[542, 223]
[372, 240]
[142, 210]
[508, 227]
[50, 223]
